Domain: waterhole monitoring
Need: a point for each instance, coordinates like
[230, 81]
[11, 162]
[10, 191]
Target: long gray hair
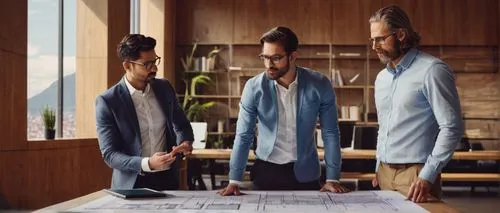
[396, 18]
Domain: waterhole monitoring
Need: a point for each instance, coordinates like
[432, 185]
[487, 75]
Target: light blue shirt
[418, 112]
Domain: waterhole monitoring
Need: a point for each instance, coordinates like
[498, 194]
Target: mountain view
[43, 49]
[48, 97]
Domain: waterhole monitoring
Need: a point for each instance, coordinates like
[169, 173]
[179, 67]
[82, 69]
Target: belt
[401, 165]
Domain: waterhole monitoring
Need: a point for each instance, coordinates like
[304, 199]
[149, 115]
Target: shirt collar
[405, 62]
[133, 90]
[293, 84]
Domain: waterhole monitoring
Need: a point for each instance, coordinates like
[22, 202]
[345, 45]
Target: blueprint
[258, 201]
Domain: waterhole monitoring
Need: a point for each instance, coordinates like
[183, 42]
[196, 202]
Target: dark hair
[132, 45]
[283, 36]
[396, 18]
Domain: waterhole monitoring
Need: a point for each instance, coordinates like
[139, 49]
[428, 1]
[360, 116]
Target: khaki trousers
[400, 179]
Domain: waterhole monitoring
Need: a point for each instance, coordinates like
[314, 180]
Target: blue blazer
[118, 129]
[315, 97]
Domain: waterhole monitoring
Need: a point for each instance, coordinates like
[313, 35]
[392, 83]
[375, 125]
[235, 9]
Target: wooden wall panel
[13, 59]
[310, 20]
[426, 18]
[53, 172]
[480, 109]
[470, 22]
[478, 87]
[350, 20]
[204, 21]
[482, 128]
[118, 25]
[99, 24]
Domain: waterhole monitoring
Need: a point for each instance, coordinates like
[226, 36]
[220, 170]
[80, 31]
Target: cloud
[42, 71]
[32, 12]
[33, 50]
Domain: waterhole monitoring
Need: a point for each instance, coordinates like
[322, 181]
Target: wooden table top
[346, 154]
[435, 206]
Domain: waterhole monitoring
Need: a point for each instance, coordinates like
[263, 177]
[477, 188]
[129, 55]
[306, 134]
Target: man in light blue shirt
[418, 109]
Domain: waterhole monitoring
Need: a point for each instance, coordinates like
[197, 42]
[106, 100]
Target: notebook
[135, 193]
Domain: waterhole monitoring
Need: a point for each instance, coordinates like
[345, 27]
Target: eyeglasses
[380, 39]
[274, 58]
[149, 64]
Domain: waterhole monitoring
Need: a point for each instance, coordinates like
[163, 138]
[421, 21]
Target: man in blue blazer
[140, 126]
[286, 100]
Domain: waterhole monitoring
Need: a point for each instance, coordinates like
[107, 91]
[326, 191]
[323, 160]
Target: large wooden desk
[225, 154]
[436, 206]
[346, 154]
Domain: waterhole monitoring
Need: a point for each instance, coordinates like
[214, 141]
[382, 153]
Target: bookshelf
[358, 67]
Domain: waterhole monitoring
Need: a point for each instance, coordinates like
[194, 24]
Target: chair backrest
[200, 134]
[364, 137]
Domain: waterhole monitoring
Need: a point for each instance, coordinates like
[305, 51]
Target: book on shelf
[350, 113]
[337, 78]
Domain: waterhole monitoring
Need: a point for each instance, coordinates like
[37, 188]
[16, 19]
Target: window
[43, 64]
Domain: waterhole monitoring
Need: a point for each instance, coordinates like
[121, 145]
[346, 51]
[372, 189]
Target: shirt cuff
[145, 166]
[239, 183]
[331, 180]
[428, 173]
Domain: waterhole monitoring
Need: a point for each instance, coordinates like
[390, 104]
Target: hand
[184, 148]
[375, 182]
[334, 187]
[419, 190]
[231, 189]
[160, 160]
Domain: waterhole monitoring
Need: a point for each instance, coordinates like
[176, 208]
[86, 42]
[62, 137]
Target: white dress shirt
[285, 147]
[151, 123]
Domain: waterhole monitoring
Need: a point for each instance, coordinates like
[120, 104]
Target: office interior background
[62, 53]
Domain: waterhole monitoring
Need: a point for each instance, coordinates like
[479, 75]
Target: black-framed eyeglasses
[274, 58]
[149, 64]
[380, 39]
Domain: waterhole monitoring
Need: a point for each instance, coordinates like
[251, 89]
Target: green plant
[192, 107]
[187, 61]
[49, 117]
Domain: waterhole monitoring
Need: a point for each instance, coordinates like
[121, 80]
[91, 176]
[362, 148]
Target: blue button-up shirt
[418, 112]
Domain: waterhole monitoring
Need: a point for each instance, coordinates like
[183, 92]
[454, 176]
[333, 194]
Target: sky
[42, 42]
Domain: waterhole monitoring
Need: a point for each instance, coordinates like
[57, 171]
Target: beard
[386, 57]
[274, 73]
[150, 76]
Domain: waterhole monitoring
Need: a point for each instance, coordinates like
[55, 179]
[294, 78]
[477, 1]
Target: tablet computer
[136, 193]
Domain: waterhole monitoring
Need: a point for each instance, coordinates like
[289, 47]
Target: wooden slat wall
[41, 173]
[204, 20]
[350, 20]
[13, 94]
[311, 20]
[470, 22]
[51, 172]
[101, 25]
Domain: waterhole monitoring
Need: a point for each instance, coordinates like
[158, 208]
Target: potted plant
[191, 106]
[49, 121]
